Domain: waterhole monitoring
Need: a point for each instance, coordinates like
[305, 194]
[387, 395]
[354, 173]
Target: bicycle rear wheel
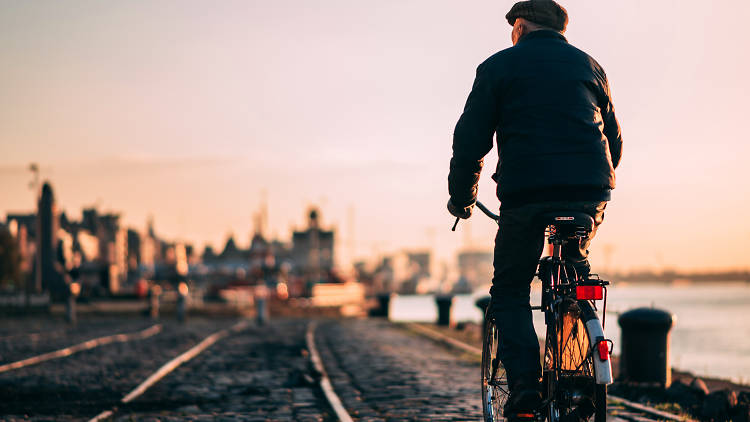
[494, 380]
[569, 367]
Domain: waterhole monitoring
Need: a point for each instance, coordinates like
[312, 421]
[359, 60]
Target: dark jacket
[550, 105]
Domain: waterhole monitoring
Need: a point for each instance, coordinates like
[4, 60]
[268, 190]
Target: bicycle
[577, 368]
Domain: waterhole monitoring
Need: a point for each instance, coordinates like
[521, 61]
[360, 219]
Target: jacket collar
[543, 33]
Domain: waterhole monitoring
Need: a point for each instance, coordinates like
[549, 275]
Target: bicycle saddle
[567, 218]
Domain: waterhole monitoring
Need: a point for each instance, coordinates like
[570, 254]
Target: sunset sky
[188, 110]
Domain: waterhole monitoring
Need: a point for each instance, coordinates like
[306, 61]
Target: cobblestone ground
[260, 374]
[82, 385]
[383, 373]
[24, 337]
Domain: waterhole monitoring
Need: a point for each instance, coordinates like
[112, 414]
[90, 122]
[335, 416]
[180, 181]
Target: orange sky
[188, 111]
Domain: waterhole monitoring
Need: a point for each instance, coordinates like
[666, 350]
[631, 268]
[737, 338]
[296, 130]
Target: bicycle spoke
[574, 349]
[584, 352]
[566, 338]
[576, 365]
[494, 380]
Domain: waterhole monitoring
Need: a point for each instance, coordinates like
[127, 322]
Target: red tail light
[603, 348]
[589, 292]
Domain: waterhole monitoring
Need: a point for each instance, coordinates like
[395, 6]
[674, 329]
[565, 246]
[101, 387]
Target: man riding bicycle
[558, 144]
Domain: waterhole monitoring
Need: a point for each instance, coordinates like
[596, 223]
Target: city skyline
[451, 266]
[188, 113]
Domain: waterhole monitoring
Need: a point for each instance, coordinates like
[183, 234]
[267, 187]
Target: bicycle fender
[602, 369]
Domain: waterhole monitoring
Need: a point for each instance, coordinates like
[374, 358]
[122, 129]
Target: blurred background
[305, 142]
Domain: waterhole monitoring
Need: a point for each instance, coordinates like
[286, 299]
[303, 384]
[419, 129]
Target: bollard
[261, 303]
[70, 306]
[182, 298]
[645, 346]
[444, 303]
[483, 303]
[153, 301]
[384, 305]
[262, 310]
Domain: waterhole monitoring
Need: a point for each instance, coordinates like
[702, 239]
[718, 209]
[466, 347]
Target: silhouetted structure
[312, 249]
[23, 229]
[95, 251]
[134, 253]
[48, 274]
[10, 259]
[231, 251]
[99, 249]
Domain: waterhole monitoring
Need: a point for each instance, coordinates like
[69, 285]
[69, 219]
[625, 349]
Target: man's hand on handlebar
[457, 212]
[465, 212]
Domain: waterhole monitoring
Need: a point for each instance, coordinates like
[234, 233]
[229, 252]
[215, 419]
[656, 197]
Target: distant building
[281, 252]
[231, 251]
[260, 253]
[417, 277]
[48, 271]
[23, 228]
[406, 272]
[231, 259]
[208, 254]
[134, 252]
[420, 263]
[192, 256]
[87, 246]
[151, 250]
[103, 245]
[475, 268]
[181, 265]
[95, 251]
[313, 248]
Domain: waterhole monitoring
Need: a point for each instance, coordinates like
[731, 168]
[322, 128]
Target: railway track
[252, 373]
[327, 370]
[23, 338]
[170, 366]
[81, 380]
[86, 345]
[207, 369]
[381, 372]
[325, 383]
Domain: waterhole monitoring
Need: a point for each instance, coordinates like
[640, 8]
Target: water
[711, 336]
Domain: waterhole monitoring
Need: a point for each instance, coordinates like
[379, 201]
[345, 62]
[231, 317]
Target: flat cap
[542, 12]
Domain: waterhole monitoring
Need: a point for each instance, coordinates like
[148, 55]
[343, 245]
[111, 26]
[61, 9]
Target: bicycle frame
[562, 286]
[558, 284]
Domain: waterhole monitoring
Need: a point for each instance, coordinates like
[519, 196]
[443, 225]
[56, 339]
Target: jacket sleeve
[472, 139]
[612, 128]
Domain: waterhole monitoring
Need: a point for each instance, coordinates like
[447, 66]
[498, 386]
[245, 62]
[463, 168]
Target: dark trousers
[518, 246]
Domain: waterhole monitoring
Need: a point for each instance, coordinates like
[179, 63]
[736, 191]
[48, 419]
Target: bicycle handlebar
[485, 210]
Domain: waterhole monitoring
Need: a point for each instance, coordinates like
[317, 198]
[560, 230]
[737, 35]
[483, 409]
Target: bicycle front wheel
[570, 371]
[494, 380]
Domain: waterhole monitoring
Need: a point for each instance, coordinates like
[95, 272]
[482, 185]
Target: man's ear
[521, 29]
